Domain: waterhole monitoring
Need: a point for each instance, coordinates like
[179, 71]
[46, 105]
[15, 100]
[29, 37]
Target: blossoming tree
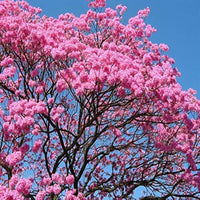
[90, 109]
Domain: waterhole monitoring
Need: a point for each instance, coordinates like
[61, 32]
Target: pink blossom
[7, 194]
[147, 58]
[24, 148]
[56, 189]
[58, 54]
[17, 92]
[121, 92]
[23, 186]
[37, 145]
[13, 181]
[40, 195]
[2, 77]
[121, 8]
[81, 196]
[9, 71]
[97, 3]
[46, 181]
[83, 77]
[69, 179]
[80, 90]
[57, 178]
[56, 117]
[13, 158]
[32, 83]
[50, 101]
[117, 132]
[39, 89]
[61, 85]
[144, 13]
[35, 131]
[6, 61]
[49, 189]
[34, 73]
[163, 47]
[70, 195]
[149, 30]
[40, 107]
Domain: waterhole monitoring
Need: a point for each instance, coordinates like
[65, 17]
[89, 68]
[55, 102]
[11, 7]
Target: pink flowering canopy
[91, 109]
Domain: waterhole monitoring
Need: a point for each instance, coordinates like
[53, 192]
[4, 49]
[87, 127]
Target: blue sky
[177, 23]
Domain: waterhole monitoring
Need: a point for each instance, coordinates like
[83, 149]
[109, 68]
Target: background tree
[90, 108]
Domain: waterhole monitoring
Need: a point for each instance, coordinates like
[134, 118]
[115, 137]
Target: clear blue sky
[177, 23]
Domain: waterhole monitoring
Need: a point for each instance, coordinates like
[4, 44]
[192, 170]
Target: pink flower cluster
[40, 195]
[23, 186]
[21, 117]
[97, 3]
[7, 194]
[19, 187]
[37, 145]
[55, 188]
[70, 196]
[13, 158]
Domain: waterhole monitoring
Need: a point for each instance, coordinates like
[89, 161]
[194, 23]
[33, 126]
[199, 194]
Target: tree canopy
[90, 108]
